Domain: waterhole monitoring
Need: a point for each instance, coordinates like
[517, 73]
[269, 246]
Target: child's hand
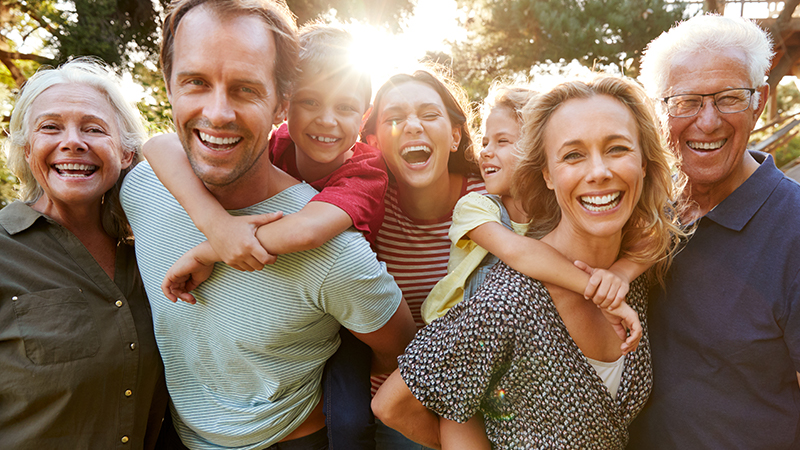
[185, 275]
[624, 318]
[605, 288]
[234, 240]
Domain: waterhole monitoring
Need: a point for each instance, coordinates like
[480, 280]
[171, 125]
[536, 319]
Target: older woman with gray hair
[79, 365]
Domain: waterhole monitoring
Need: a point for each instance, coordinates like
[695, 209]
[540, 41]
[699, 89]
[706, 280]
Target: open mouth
[75, 170]
[218, 143]
[706, 146]
[600, 203]
[417, 154]
[323, 139]
[488, 170]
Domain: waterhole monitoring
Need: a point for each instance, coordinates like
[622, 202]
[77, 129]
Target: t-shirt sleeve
[358, 187]
[471, 211]
[453, 363]
[358, 291]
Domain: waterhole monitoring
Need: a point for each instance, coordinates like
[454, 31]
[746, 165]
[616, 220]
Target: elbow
[386, 410]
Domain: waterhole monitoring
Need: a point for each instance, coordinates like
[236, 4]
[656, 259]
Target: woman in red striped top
[421, 124]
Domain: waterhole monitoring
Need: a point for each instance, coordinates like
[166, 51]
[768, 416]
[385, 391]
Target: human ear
[456, 139]
[547, 181]
[372, 140]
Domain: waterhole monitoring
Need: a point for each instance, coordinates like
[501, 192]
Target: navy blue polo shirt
[725, 332]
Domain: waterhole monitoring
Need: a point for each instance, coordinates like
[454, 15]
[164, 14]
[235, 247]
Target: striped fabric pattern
[244, 364]
[416, 252]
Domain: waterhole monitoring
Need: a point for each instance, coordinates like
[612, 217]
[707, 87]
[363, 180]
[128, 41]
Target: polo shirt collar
[17, 217]
[740, 206]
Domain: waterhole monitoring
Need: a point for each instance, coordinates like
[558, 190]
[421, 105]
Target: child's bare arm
[624, 318]
[541, 261]
[529, 256]
[233, 238]
[191, 269]
[312, 226]
[470, 435]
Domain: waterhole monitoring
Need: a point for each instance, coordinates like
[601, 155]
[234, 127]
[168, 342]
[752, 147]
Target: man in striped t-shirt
[244, 364]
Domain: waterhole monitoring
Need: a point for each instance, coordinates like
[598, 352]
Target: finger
[583, 266]
[263, 219]
[188, 298]
[270, 259]
[601, 296]
[591, 288]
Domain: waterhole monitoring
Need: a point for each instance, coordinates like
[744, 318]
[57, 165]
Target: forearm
[308, 228]
[627, 269]
[169, 162]
[530, 256]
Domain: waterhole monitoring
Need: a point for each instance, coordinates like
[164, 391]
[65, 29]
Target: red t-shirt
[357, 187]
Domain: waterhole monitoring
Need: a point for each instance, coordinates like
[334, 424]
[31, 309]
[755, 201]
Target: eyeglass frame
[752, 91]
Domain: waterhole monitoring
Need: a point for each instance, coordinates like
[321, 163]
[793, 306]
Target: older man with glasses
[725, 330]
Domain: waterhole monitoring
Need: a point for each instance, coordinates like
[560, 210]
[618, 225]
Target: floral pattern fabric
[506, 353]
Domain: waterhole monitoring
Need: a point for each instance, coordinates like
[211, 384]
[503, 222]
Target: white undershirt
[610, 373]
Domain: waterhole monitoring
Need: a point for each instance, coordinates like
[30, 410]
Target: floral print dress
[506, 353]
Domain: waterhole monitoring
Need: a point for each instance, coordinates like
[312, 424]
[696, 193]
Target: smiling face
[415, 134]
[713, 145]
[325, 118]
[498, 158]
[74, 150]
[223, 94]
[594, 165]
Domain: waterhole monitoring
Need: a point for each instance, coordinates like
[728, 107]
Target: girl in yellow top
[489, 228]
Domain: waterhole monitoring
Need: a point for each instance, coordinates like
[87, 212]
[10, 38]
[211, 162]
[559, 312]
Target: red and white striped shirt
[416, 252]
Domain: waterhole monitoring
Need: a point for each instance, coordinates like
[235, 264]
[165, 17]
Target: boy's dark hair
[327, 50]
[275, 14]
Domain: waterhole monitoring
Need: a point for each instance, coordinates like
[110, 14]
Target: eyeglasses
[728, 101]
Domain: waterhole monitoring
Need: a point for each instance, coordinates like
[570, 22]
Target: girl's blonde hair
[512, 97]
[652, 234]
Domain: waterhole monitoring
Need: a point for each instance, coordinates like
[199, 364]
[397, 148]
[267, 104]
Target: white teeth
[219, 141]
[416, 148]
[600, 202]
[706, 145]
[490, 169]
[324, 139]
[75, 167]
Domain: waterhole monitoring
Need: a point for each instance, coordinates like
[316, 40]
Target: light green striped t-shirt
[244, 364]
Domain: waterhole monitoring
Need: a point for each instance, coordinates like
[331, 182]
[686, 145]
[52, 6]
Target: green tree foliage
[378, 12]
[508, 37]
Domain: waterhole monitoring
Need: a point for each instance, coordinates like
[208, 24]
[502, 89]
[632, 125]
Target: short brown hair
[275, 14]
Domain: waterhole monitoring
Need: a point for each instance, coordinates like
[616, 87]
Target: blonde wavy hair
[652, 234]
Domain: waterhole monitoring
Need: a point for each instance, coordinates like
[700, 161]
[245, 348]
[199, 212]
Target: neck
[515, 210]
[433, 201]
[597, 251]
[703, 197]
[311, 170]
[261, 182]
[84, 221]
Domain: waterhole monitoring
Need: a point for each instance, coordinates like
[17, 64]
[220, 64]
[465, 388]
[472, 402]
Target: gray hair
[90, 72]
[703, 34]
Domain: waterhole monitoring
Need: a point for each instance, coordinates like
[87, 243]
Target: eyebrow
[84, 118]
[609, 138]
[248, 81]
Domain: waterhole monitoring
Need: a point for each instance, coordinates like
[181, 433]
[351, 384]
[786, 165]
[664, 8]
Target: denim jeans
[348, 416]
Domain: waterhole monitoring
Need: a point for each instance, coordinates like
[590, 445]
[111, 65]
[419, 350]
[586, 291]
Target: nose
[73, 139]
[326, 118]
[598, 171]
[487, 151]
[708, 118]
[219, 110]
[413, 125]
